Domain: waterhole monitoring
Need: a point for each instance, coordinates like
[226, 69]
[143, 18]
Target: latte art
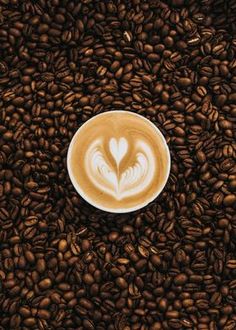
[111, 179]
[118, 148]
[118, 161]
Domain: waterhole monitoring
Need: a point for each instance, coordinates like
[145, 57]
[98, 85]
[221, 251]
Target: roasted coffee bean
[45, 284]
[184, 82]
[230, 200]
[180, 279]
[156, 260]
[121, 282]
[62, 245]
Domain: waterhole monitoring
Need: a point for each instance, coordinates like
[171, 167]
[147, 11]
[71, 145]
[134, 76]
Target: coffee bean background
[66, 265]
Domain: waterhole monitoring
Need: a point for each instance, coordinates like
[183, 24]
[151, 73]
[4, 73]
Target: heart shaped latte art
[109, 179]
[118, 149]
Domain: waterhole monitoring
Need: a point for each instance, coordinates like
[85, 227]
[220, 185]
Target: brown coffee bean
[87, 324]
[218, 198]
[75, 249]
[31, 221]
[231, 264]
[31, 185]
[107, 99]
[62, 245]
[87, 304]
[45, 302]
[113, 236]
[4, 215]
[179, 131]
[30, 257]
[30, 322]
[115, 66]
[188, 303]
[184, 82]
[128, 229]
[88, 279]
[121, 283]
[29, 233]
[41, 265]
[45, 284]
[15, 321]
[163, 304]
[43, 314]
[180, 279]
[201, 157]
[155, 260]
[230, 200]
[85, 245]
[18, 101]
[172, 314]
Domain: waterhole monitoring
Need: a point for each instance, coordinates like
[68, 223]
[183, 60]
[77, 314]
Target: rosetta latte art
[109, 178]
[118, 161]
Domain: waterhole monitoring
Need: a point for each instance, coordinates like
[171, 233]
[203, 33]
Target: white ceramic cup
[88, 198]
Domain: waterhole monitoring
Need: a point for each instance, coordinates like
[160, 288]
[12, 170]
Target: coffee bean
[30, 257]
[31, 185]
[44, 302]
[231, 264]
[113, 236]
[163, 304]
[121, 282]
[45, 284]
[184, 82]
[88, 279]
[62, 245]
[87, 324]
[85, 245]
[85, 303]
[18, 101]
[41, 265]
[230, 200]
[180, 279]
[201, 157]
[156, 260]
[75, 249]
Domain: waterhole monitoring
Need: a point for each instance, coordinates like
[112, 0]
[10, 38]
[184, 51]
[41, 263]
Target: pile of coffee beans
[66, 265]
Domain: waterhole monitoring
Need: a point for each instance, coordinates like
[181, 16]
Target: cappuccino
[118, 161]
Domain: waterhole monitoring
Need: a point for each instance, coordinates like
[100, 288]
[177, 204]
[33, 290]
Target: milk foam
[108, 178]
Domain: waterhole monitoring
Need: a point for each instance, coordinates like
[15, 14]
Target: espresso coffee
[118, 161]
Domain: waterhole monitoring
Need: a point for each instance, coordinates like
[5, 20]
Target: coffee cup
[118, 161]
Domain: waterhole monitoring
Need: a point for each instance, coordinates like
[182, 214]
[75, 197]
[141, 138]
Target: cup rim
[118, 210]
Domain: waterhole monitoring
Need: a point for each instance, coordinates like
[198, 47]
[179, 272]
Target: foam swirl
[108, 178]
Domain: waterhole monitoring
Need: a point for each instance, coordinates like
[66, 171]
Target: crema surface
[118, 161]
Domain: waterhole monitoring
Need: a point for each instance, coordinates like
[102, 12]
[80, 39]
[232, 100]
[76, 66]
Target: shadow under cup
[118, 161]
